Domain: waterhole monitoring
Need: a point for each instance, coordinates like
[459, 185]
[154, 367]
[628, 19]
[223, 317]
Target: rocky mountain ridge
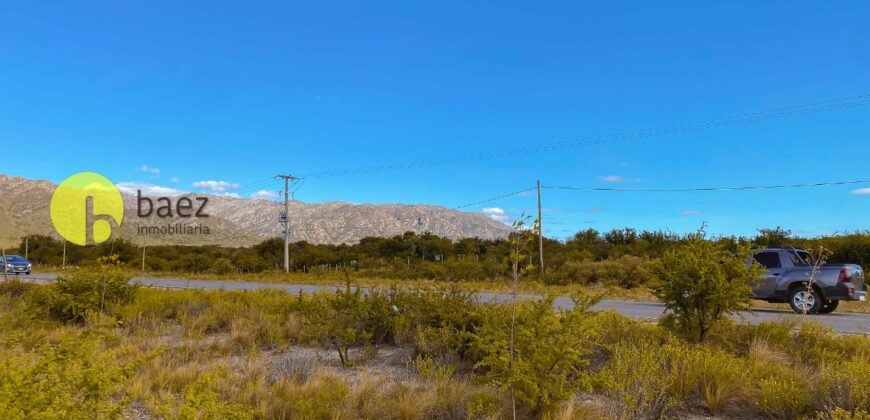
[24, 209]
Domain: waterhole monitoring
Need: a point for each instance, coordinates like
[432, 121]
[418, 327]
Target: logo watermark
[87, 206]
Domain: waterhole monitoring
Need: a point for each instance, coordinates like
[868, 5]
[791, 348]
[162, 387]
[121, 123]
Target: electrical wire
[745, 118]
[702, 189]
[301, 229]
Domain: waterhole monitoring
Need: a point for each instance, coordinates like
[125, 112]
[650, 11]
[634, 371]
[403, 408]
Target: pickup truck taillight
[845, 276]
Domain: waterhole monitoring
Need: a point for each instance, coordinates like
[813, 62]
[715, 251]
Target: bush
[348, 318]
[223, 266]
[626, 271]
[201, 401]
[439, 324]
[76, 378]
[784, 398]
[702, 282]
[13, 288]
[550, 352]
[73, 297]
[634, 382]
[845, 385]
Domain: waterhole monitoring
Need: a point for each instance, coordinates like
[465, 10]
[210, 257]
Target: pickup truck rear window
[768, 259]
[800, 258]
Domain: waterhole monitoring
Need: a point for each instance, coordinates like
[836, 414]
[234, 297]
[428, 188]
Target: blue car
[16, 265]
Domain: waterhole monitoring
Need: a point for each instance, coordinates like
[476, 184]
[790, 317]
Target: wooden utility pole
[143, 256]
[26, 246]
[286, 220]
[540, 231]
[63, 263]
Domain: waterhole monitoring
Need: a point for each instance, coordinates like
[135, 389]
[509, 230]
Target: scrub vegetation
[623, 258]
[90, 347]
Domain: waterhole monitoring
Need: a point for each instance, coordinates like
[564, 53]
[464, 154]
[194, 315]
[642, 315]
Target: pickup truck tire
[829, 306]
[798, 294]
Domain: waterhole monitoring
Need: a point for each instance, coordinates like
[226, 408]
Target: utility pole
[26, 246]
[286, 220]
[63, 264]
[143, 255]
[540, 232]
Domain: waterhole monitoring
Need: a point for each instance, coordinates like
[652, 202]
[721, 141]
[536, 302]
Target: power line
[701, 189]
[301, 229]
[745, 118]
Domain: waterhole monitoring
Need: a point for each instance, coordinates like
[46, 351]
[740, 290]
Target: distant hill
[241, 222]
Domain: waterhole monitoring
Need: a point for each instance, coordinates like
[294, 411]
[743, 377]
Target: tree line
[619, 256]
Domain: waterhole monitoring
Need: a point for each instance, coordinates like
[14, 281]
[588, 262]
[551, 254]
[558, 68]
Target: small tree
[818, 260]
[347, 318]
[76, 295]
[519, 241]
[549, 352]
[701, 282]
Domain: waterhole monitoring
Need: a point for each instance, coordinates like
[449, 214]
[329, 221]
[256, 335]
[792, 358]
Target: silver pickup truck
[787, 275]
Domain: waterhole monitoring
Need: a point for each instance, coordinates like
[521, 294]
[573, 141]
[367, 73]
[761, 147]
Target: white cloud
[497, 214]
[174, 180]
[216, 186]
[689, 212]
[264, 195]
[611, 178]
[132, 188]
[618, 179]
[149, 170]
[861, 191]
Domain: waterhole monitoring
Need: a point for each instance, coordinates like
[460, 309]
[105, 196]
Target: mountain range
[24, 210]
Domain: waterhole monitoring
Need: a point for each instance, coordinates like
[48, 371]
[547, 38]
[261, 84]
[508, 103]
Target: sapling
[818, 260]
[519, 241]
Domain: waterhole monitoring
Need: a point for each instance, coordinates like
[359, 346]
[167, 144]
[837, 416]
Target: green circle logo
[84, 206]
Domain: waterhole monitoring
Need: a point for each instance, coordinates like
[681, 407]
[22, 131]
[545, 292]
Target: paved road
[840, 322]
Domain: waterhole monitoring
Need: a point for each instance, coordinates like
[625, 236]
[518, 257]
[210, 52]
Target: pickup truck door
[772, 262]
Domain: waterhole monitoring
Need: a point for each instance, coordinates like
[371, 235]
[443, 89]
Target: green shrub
[223, 266]
[439, 323]
[627, 271]
[76, 378]
[845, 384]
[614, 328]
[347, 318]
[783, 397]
[550, 352]
[75, 296]
[201, 401]
[13, 287]
[702, 282]
[635, 381]
[816, 343]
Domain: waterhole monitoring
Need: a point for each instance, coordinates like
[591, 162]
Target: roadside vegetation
[89, 346]
[622, 258]
[619, 264]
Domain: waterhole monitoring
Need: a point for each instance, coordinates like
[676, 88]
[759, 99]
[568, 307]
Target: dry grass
[238, 355]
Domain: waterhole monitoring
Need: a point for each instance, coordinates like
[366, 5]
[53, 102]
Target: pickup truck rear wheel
[799, 296]
[829, 306]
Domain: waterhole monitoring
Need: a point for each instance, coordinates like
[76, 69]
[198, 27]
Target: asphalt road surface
[840, 322]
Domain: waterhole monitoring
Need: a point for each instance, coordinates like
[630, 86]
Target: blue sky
[179, 94]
